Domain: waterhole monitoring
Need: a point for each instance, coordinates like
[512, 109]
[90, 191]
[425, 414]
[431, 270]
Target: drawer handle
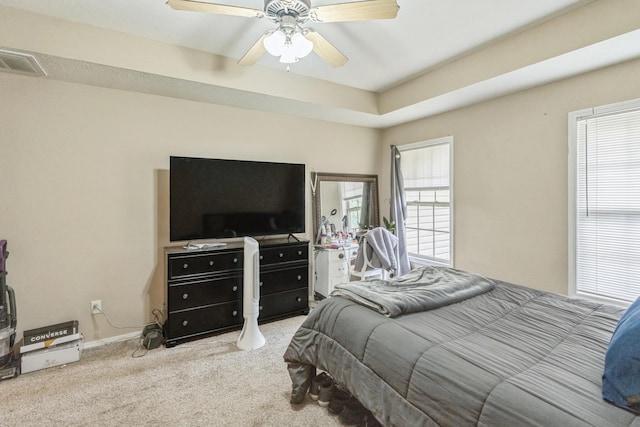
[298, 299]
[235, 260]
[234, 313]
[211, 263]
[341, 255]
[261, 283]
[299, 252]
[261, 257]
[185, 296]
[299, 277]
[185, 265]
[185, 322]
[260, 308]
[281, 254]
[235, 288]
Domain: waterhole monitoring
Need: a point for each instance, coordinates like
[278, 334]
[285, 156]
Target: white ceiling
[381, 53]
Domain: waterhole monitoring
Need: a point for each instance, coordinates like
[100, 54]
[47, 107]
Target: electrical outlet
[96, 306]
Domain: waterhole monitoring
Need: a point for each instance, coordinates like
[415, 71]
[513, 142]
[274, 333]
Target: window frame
[446, 140]
[573, 119]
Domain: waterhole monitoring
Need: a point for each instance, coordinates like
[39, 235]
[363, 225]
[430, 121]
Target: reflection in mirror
[345, 205]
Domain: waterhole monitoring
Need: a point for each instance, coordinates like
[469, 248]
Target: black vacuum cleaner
[9, 364]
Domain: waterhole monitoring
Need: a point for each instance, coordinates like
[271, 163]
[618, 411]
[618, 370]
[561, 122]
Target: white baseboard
[111, 340]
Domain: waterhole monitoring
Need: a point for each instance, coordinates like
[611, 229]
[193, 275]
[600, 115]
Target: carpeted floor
[207, 382]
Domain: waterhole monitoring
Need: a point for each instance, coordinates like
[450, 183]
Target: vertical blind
[608, 205]
[426, 172]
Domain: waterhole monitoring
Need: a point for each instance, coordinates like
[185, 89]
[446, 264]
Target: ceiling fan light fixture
[301, 45]
[275, 43]
[288, 55]
[290, 48]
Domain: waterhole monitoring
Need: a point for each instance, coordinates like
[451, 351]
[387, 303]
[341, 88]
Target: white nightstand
[332, 267]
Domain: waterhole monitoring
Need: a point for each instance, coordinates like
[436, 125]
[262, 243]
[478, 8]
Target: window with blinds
[352, 202]
[426, 170]
[607, 201]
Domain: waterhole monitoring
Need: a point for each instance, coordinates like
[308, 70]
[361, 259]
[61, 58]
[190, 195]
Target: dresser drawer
[187, 323]
[285, 279]
[339, 268]
[194, 264]
[283, 303]
[204, 292]
[299, 253]
[337, 256]
[279, 255]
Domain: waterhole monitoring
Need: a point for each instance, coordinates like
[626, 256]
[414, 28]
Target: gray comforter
[512, 356]
[421, 289]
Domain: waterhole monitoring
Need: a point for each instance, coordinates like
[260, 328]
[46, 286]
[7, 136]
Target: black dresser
[204, 287]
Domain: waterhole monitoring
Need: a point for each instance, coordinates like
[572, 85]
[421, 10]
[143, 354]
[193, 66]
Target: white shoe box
[50, 343]
[52, 356]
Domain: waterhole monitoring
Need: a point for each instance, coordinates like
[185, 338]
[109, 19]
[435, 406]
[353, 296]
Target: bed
[505, 356]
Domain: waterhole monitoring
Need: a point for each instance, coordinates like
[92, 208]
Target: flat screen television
[217, 198]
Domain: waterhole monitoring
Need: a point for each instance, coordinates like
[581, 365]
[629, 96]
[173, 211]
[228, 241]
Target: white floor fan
[290, 40]
[251, 338]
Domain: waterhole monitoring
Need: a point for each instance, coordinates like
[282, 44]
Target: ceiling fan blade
[256, 51]
[325, 50]
[197, 6]
[356, 11]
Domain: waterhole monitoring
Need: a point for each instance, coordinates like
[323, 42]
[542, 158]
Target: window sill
[601, 300]
[421, 262]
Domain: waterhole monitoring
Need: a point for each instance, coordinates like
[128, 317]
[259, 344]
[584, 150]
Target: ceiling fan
[290, 41]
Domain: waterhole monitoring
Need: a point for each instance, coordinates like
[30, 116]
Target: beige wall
[84, 197]
[510, 174]
[84, 170]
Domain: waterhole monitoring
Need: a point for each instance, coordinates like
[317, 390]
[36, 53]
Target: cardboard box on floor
[47, 333]
[49, 357]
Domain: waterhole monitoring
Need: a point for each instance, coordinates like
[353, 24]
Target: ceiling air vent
[20, 63]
